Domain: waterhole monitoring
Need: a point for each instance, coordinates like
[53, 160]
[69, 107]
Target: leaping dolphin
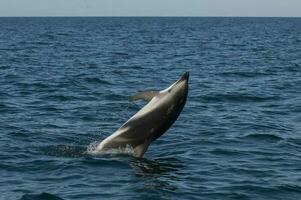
[149, 123]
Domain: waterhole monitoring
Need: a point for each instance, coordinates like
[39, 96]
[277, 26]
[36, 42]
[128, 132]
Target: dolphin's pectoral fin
[145, 95]
[140, 149]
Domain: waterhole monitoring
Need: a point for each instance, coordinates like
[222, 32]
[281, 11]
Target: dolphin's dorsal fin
[145, 95]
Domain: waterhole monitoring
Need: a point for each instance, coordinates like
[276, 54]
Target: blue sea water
[65, 84]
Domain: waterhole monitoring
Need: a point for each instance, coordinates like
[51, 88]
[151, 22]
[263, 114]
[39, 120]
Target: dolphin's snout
[185, 77]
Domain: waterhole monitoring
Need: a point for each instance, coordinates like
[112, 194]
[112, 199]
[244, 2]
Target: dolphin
[151, 121]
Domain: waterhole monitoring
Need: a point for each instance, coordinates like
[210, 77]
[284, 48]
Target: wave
[290, 187]
[237, 98]
[265, 136]
[42, 196]
[227, 152]
[97, 80]
[244, 74]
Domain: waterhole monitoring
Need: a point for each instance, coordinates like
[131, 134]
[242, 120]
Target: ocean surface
[65, 85]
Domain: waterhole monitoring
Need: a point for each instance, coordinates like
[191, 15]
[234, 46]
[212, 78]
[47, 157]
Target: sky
[256, 8]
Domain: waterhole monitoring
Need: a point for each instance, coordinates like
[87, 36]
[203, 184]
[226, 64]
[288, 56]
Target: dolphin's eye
[169, 90]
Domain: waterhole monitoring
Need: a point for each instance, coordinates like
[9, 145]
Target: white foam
[92, 149]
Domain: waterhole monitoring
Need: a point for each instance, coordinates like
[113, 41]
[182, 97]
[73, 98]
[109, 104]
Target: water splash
[91, 149]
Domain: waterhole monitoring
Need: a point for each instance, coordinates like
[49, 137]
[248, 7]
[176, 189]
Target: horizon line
[150, 16]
